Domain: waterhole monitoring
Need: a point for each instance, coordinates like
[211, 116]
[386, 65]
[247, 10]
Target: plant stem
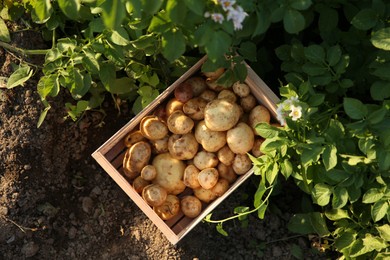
[22, 51]
[283, 239]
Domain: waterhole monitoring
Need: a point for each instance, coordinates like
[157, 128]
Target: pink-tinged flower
[217, 17]
[237, 15]
[227, 4]
[296, 112]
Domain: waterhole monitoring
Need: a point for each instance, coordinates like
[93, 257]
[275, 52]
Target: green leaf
[374, 242]
[218, 45]
[90, 62]
[176, 11]
[377, 116]
[354, 108]
[316, 100]
[151, 6]
[358, 248]
[380, 90]
[340, 197]
[78, 87]
[329, 157]
[318, 222]
[43, 114]
[383, 157]
[42, 10]
[173, 44]
[19, 76]
[381, 39]
[384, 231]
[321, 194]
[333, 55]
[271, 144]
[122, 85]
[113, 13]
[372, 195]
[107, 75]
[286, 168]
[70, 8]
[48, 86]
[272, 173]
[365, 19]
[379, 210]
[4, 33]
[300, 4]
[301, 224]
[293, 21]
[314, 69]
[221, 230]
[345, 240]
[258, 198]
[263, 22]
[266, 130]
[196, 6]
[248, 51]
[261, 211]
[296, 251]
[311, 154]
[315, 54]
[336, 214]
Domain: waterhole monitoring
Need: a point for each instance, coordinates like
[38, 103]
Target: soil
[57, 203]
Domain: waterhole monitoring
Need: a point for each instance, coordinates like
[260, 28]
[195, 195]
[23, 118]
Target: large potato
[183, 92]
[204, 194]
[204, 159]
[198, 85]
[208, 178]
[241, 89]
[210, 140]
[136, 158]
[154, 195]
[221, 115]
[179, 123]
[190, 177]
[225, 155]
[242, 164]
[194, 108]
[191, 206]
[170, 173]
[258, 115]
[240, 139]
[169, 209]
[228, 95]
[183, 147]
[248, 103]
[153, 128]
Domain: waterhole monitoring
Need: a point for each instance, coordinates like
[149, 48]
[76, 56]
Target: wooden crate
[110, 156]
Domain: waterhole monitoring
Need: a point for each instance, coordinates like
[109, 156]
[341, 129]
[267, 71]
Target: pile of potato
[198, 139]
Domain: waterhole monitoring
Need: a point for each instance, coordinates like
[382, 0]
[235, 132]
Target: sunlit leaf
[4, 33]
[381, 39]
[70, 8]
[19, 76]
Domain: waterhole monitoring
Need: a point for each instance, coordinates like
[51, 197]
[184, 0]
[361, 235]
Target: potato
[183, 147]
[148, 173]
[154, 195]
[241, 89]
[136, 157]
[161, 112]
[204, 159]
[211, 141]
[160, 145]
[190, 178]
[133, 137]
[213, 85]
[204, 194]
[139, 184]
[170, 173]
[179, 123]
[194, 108]
[173, 105]
[213, 75]
[169, 209]
[226, 172]
[221, 115]
[258, 115]
[228, 95]
[153, 128]
[225, 155]
[240, 139]
[242, 164]
[256, 147]
[208, 95]
[208, 178]
[248, 103]
[191, 206]
[198, 85]
[220, 187]
[183, 92]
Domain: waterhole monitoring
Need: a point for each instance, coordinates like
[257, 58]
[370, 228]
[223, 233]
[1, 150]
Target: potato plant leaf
[372, 195]
[340, 197]
[329, 157]
[365, 19]
[354, 108]
[379, 210]
[173, 44]
[336, 214]
[21, 75]
[384, 231]
[321, 194]
[293, 21]
[221, 230]
[381, 39]
[195, 6]
[301, 224]
[70, 8]
[4, 33]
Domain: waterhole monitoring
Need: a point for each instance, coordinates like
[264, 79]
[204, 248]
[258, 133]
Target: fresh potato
[213, 75]
[221, 115]
[170, 173]
[183, 92]
[226, 172]
[242, 164]
[173, 105]
[179, 123]
[208, 178]
[220, 187]
[248, 103]
[213, 85]
[210, 140]
[241, 89]
[208, 95]
[256, 147]
[240, 139]
[204, 194]
[154, 195]
[139, 184]
[183, 147]
[148, 173]
[194, 108]
[258, 115]
[190, 178]
[153, 128]
[198, 85]
[136, 157]
[160, 145]
[161, 112]
[225, 155]
[169, 209]
[228, 95]
[191, 206]
[204, 159]
[133, 137]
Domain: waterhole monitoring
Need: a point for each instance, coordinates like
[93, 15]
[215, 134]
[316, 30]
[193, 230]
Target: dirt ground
[57, 203]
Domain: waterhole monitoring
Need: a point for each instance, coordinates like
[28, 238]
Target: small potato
[210, 140]
[198, 85]
[183, 92]
[169, 209]
[161, 112]
[194, 108]
[256, 147]
[228, 95]
[190, 178]
[160, 145]
[248, 103]
[191, 206]
[208, 178]
[213, 85]
[242, 164]
[153, 128]
[213, 75]
[133, 137]
[139, 184]
[179, 123]
[149, 172]
[220, 187]
[173, 105]
[240, 139]
[183, 147]
[221, 115]
[258, 115]
[204, 159]
[154, 195]
[204, 195]
[208, 95]
[225, 155]
[136, 157]
[226, 172]
[241, 89]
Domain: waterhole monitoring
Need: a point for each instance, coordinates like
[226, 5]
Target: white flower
[237, 15]
[291, 100]
[207, 14]
[227, 4]
[280, 115]
[217, 17]
[296, 112]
